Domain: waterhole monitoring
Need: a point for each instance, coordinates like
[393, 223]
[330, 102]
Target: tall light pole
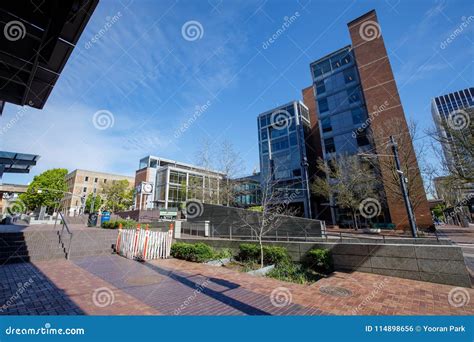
[403, 187]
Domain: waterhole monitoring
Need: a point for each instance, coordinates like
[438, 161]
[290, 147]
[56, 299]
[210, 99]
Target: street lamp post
[403, 187]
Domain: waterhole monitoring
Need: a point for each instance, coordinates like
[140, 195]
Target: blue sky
[152, 81]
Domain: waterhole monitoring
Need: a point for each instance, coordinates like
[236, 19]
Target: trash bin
[105, 217]
[92, 220]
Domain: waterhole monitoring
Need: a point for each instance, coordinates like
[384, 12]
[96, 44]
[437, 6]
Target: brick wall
[381, 96]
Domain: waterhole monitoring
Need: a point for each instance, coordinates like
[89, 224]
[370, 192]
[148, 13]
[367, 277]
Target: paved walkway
[112, 285]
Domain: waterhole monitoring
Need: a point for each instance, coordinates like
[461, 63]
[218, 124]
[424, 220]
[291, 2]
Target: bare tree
[456, 136]
[222, 157]
[349, 181]
[275, 205]
[412, 160]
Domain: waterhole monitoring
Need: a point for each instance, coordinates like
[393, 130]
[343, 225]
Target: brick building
[84, 182]
[354, 108]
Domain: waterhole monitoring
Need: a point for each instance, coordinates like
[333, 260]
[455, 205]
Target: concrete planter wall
[442, 264]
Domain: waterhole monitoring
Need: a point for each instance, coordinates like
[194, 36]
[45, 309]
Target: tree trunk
[261, 250]
[354, 218]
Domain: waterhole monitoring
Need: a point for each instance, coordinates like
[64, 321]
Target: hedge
[272, 255]
[319, 260]
[115, 224]
[199, 252]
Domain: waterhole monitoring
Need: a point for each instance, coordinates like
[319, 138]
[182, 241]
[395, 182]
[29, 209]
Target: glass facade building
[442, 109]
[176, 182]
[283, 158]
[340, 104]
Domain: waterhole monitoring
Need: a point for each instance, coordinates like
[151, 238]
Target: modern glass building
[174, 183]
[453, 107]
[247, 191]
[340, 104]
[283, 157]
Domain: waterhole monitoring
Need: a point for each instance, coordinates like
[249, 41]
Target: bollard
[119, 237]
[146, 243]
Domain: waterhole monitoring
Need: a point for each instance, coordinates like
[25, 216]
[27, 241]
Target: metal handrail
[61, 234]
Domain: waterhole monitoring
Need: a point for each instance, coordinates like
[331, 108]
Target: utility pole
[403, 187]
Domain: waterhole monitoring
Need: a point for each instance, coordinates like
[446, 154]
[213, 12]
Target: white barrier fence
[143, 244]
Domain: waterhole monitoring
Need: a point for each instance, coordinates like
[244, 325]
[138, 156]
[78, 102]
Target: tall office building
[456, 110]
[355, 102]
[282, 140]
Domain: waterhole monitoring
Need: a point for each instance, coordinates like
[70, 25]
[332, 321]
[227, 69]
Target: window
[321, 68]
[265, 147]
[354, 95]
[357, 115]
[263, 121]
[96, 180]
[323, 105]
[326, 125]
[320, 87]
[86, 179]
[95, 190]
[329, 145]
[264, 134]
[177, 177]
[105, 181]
[85, 189]
[279, 144]
[293, 140]
[362, 139]
[349, 75]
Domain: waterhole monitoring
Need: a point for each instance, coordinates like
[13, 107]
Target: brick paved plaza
[112, 285]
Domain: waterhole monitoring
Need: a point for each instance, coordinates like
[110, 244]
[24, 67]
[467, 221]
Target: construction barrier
[143, 244]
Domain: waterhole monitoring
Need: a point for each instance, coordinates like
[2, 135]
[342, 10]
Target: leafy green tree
[118, 195]
[98, 202]
[46, 189]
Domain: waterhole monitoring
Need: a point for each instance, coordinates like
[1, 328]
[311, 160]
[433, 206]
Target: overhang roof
[36, 40]
[12, 162]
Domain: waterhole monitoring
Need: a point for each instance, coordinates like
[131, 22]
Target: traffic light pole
[403, 187]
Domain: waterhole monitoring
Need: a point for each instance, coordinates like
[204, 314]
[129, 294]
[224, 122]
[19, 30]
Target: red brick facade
[381, 96]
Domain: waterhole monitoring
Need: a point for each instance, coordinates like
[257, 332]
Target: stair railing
[66, 229]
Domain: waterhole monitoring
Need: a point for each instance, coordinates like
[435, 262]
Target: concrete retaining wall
[236, 222]
[442, 264]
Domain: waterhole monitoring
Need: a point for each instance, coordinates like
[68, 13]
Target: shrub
[319, 260]
[295, 273]
[224, 253]
[115, 224]
[249, 252]
[199, 252]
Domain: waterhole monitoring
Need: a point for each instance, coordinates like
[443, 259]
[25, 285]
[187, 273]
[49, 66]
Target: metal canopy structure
[36, 40]
[11, 162]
